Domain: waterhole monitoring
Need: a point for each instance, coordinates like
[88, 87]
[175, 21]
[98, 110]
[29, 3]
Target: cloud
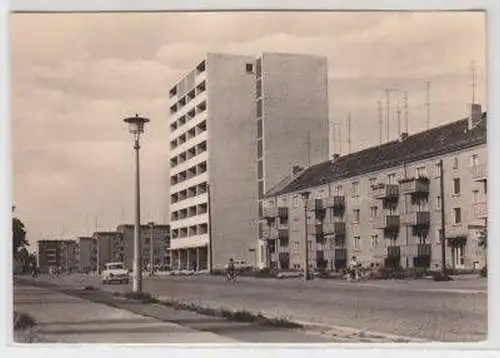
[76, 76]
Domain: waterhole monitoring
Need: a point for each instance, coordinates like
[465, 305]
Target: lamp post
[151, 226]
[136, 128]
[305, 196]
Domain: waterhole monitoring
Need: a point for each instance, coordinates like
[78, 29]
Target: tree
[483, 238]
[18, 235]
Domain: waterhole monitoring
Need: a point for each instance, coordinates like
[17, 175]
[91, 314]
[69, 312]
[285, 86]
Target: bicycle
[231, 276]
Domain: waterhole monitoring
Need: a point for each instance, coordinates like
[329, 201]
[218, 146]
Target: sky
[74, 77]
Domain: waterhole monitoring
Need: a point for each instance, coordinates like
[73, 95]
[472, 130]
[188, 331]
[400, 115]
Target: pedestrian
[354, 268]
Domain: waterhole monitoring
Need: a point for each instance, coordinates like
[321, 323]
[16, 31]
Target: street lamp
[136, 128]
[305, 196]
[151, 226]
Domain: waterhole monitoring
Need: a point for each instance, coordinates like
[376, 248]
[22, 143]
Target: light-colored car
[114, 272]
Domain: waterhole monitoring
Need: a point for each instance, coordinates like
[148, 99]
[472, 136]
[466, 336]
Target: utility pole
[305, 197]
[428, 102]
[443, 218]
[380, 120]
[151, 247]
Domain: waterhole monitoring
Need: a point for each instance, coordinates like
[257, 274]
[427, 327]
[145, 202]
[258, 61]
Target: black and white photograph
[227, 177]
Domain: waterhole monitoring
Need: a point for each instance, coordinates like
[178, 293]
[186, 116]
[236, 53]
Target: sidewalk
[65, 319]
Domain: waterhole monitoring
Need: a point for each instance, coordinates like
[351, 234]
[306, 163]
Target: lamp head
[136, 124]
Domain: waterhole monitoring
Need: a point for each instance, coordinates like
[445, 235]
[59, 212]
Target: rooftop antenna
[380, 120]
[398, 112]
[334, 136]
[349, 132]
[405, 101]
[388, 108]
[308, 149]
[474, 81]
[340, 137]
[428, 102]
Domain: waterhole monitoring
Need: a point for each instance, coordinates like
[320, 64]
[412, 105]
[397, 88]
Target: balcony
[282, 212]
[336, 228]
[418, 218]
[385, 191]
[315, 204]
[282, 234]
[424, 250]
[387, 222]
[315, 229]
[414, 186]
[336, 202]
[479, 172]
[480, 210]
[270, 212]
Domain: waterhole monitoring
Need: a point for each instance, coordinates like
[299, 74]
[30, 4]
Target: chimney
[335, 157]
[475, 115]
[404, 135]
[296, 169]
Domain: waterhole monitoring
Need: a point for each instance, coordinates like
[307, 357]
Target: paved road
[442, 311]
[63, 318]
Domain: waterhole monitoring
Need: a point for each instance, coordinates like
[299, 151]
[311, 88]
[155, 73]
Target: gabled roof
[436, 141]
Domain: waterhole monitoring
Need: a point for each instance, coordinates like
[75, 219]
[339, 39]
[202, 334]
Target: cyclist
[230, 271]
[354, 268]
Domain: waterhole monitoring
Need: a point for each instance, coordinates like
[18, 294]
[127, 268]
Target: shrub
[144, 297]
[23, 321]
[438, 276]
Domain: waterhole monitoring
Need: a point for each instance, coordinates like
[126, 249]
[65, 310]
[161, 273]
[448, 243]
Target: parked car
[114, 272]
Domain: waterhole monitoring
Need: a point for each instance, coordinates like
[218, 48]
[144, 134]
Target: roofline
[453, 147]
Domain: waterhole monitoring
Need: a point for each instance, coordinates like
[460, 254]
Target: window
[355, 189]
[355, 214]
[259, 108]
[357, 242]
[261, 189]
[259, 128]
[339, 190]
[456, 186]
[371, 183]
[249, 67]
[391, 179]
[457, 215]
[438, 170]
[259, 148]
[373, 211]
[421, 172]
[474, 160]
[455, 163]
[475, 196]
[374, 241]
[260, 169]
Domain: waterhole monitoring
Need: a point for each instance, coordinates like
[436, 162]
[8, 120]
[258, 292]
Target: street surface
[63, 318]
[438, 311]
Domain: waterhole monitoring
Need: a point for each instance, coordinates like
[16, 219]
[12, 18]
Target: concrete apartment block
[86, 254]
[218, 132]
[161, 243]
[388, 205]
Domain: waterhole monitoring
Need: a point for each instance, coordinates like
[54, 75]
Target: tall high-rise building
[237, 125]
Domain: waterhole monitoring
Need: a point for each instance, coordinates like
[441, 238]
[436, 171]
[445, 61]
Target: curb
[360, 333]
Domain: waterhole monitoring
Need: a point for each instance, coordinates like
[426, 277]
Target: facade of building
[384, 204]
[49, 254]
[86, 254]
[69, 256]
[237, 126]
[161, 245]
[110, 248]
